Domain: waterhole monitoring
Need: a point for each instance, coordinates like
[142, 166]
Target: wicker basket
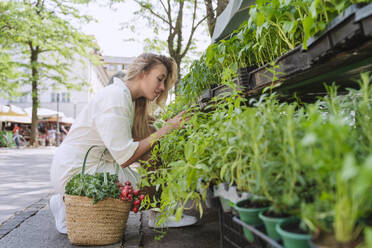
[100, 224]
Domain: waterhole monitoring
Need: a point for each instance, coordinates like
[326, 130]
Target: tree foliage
[7, 67]
[178, 21]
[43, 44]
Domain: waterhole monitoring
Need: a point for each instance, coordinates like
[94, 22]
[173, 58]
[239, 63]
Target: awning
[235, 13]
[17, 119]
[45, 113]
[13, 113]
[67, 120]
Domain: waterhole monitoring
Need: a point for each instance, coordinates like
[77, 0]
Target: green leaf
[349, 169]
[307, 25]
[189, 149]
[368, 236]
[202, 166]
[313, 9]
[288, 26]
[260, 19]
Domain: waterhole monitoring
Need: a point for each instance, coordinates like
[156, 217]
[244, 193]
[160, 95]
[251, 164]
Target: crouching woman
[118, 119]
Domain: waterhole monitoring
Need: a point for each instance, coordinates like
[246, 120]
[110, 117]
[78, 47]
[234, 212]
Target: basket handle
[104, 161]
[104, 164]
[86, 156]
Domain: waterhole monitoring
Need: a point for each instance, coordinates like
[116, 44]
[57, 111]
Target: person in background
[16, 134]
[63, 131]
[117, 118]
[52, 137]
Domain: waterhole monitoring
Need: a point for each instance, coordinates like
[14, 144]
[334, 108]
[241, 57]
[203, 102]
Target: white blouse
[105, 121]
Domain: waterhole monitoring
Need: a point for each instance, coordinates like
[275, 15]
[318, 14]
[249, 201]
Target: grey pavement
[26, 220]
[35, 231]
[24, 178]
[34, 228]
[204, 234]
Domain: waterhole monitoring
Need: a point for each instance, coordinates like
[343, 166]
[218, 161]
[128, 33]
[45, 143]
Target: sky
[107, 28]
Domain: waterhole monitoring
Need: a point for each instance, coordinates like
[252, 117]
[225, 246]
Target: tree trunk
[178, 62]
[213, 14]
[35, 77]
[175, 43]
[221, 5]
[211, 20]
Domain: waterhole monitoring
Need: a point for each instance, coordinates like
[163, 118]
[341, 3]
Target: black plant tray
[342, 51]
[232, 235]
[337, 55]
[347, 28]
[208, 94]
[244, 75]
[269, 242]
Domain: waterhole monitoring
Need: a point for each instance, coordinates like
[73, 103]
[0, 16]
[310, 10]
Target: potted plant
[248, 210]
[335, 215]
[293, 233]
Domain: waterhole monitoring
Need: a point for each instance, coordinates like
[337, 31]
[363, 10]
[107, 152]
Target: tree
[169, 17]
[213, 13]
[45, 43]
[7, 67]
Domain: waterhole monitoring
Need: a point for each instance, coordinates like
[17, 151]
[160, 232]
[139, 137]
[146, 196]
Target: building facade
[68, 101]
[114, 64]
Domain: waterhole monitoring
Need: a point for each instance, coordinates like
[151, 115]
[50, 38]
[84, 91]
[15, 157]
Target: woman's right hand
[176, 121]
[172, 124]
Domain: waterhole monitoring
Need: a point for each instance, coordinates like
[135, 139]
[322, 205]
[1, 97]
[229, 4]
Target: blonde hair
[142, 114]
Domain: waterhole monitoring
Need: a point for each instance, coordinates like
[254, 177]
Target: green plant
[98, 186]
[200, 78]
[306, 159]
[6, 139]
[340, 154]
[272, 29]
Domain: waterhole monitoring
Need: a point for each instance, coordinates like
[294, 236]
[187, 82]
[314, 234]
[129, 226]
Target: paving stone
[25, 214]
[4, 231]
[38, 230]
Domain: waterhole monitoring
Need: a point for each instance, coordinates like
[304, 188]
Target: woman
[116, 118]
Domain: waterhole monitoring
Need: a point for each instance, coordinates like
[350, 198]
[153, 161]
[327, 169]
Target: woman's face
[153, 82]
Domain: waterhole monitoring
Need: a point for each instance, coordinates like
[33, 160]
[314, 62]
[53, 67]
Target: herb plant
[98, 186]
[306, 159]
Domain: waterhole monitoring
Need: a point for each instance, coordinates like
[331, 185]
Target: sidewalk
[34, 227]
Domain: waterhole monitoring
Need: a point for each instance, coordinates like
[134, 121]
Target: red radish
[142, 197]
[136, 192]
[130, 197]
[128, 183]
[135, 210]
[137, 202]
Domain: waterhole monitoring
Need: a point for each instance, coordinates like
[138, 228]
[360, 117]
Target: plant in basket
[97, 187]
[95, 214]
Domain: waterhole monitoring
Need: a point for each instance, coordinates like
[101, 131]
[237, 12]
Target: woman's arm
[146, 144]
